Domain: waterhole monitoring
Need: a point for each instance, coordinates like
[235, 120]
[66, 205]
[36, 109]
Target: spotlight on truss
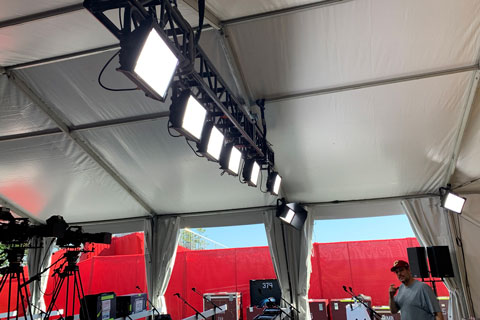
[148, 60]
[273, 183]
[452, 201]
[187, 116]
[251, 172]
[230, 159]
[212, 142]
[293, 213]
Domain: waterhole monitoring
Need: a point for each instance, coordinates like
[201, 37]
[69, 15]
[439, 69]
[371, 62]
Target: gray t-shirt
[417, 301]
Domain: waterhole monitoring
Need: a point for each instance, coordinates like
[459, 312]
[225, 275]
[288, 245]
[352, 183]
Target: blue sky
[387, 227]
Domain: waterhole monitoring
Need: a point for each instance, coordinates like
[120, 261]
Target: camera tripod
[69, 271]
[15, 271]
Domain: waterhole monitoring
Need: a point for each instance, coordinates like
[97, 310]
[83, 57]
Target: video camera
[75, 237]
[15, 231]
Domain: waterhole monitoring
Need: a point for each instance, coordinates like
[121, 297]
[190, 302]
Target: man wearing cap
[415, 299]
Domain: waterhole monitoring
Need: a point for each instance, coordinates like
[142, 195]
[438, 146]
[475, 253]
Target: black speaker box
[418, 262]
[130, 304]
[263, 289]
[440, 263]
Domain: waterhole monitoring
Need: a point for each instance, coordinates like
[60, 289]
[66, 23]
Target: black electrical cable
[261, 182]
[103, 69]
[194, 151]
[47, 252]
[120, 18]
[240, 174]
[170, 132]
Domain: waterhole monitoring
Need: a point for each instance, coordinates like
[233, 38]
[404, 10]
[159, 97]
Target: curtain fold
[291, 252]
[161, 240]
[38, 259]
[434, 226]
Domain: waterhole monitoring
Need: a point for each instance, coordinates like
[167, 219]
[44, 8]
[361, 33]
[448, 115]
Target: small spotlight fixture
[452, 201]
[147, 59]
[230, 159]
[273, 183]
[212, 142]
[251, 171]
[187, 116]
[293, 213]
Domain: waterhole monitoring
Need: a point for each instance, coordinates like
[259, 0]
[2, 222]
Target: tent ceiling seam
[41, 15]
[275, 13]
[89, 126]
[270, 207]
[62, 124]
[375, 83]
[463, 125]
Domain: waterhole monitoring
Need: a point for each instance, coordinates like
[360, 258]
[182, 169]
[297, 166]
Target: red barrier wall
[363, 265]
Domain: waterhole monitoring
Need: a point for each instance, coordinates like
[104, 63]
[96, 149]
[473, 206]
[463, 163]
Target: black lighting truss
[195, 72]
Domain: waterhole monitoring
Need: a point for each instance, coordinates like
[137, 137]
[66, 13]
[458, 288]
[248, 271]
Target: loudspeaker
[440, 263]
[418, 262]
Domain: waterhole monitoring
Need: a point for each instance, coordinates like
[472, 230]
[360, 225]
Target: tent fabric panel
[470, 237]
[72, 88]
[222, 219]
[52, 175]
[385, 141]
[467, 168]
[166, 172]
[376, 208]
[54, 36]
[354, 42]
[18, 114]
[122, 226]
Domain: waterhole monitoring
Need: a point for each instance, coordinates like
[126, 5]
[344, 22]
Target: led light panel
[156, 63]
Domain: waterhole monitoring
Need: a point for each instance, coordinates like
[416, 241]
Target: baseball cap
[399, 264]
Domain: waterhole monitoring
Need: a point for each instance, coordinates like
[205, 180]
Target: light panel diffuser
[289, 216]
[194, 117]
[454, 203]
[255, 173]
[215, 143]
[234, 161]
[156, 63]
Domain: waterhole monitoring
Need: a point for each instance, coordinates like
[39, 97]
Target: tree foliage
[192, 239]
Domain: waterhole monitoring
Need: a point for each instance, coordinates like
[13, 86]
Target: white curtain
[469, 231]
[38, 258]
[434, 226]
[291, 251]
[161, 240]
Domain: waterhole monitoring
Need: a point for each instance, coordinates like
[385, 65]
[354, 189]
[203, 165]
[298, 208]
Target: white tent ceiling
[365, 99]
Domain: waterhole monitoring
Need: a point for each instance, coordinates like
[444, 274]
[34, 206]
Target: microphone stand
[291, 308]
[359, 299]
[153, 307]
[197, 313]
[208, 300]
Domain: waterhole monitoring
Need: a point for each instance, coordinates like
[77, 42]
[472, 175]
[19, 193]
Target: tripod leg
[9, 295]
[19, 298]
[25, 297]
[3, 280]
[66, 296]
[81, 294]
[55, 294]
